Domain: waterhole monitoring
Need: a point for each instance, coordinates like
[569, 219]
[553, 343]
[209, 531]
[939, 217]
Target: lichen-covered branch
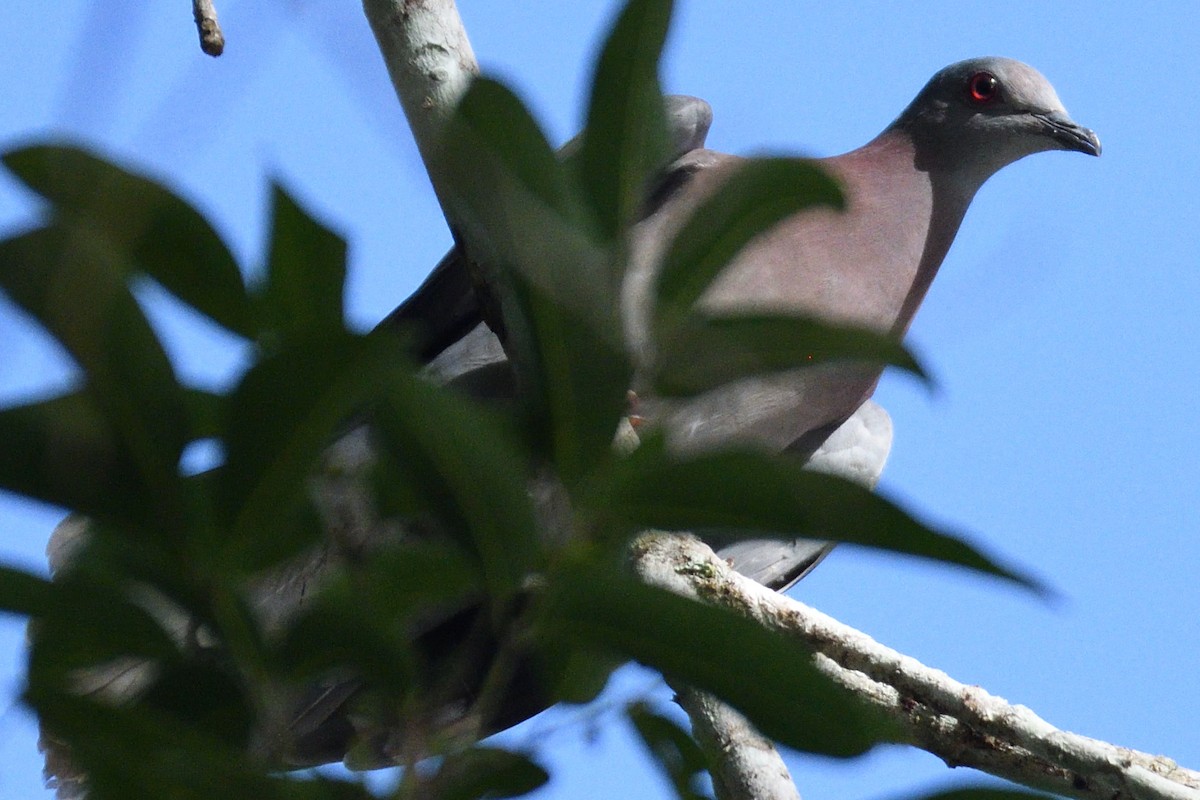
[963, 725]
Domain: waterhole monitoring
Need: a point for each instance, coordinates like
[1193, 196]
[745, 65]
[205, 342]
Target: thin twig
[743, 762]
[212, 40]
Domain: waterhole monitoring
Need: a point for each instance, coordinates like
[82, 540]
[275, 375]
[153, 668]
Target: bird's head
[984, 113]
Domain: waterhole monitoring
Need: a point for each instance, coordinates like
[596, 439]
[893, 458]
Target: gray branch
[429, 60]
[212, 40]
[963, 725]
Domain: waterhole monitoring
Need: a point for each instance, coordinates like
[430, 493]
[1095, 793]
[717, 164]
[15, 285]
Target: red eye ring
[983, 88]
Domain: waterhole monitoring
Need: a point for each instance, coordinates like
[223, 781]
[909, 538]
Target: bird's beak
[1069, 134]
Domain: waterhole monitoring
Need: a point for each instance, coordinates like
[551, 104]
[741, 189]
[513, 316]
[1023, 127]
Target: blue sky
[1063, 328]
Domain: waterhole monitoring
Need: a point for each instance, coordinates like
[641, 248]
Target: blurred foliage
[483, 596]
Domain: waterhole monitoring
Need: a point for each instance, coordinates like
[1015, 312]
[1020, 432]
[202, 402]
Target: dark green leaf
[306, 273]
[757, 195]
[87, 623]
[334, 635]
[204, 697]
[70, 281]
[510, 140]
[144, 753]
[206, 410]
[64, 452]
[751, 494]
[514, 212]
[625, 140]
[767, 677]
[97, 552]
[282, 416]
[24, 593]
[484, 772]
[577, 380]
[552, 281]
[472, 473]
[704, 352]
[411, 577]
[146, 226]
[369, 617]
[676, 752]
[576, 676]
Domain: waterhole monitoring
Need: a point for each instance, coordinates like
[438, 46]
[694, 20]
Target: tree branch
[212, 40]
[744, 764]
[429, 59]
[963, 725]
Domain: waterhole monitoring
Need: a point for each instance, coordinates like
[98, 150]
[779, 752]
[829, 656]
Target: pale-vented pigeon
[907, 191]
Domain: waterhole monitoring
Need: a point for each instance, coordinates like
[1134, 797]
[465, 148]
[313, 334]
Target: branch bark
[429, 59]
[744, 763]
[212, 39]
[963, 725]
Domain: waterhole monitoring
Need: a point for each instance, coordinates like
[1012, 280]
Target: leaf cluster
[489, 585]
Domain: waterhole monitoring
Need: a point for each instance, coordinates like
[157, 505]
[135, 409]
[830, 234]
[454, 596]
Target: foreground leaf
[706, 352]
[71, 282]
[151, 229]
[24, 593]
[64, 452]
[281, 418]
[770, 679]
[750, 494]
[519, 220]
[625, 140]
[469, 469]
[306, 274]
[673, 748]
[481, 772]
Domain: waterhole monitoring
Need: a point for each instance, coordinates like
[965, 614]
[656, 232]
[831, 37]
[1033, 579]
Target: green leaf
[148, 227]
[145, 753]
[518, 221]
[334, 634]
[706, 352]
[70, 281]
[206, 410]
[751, 494]
[23, 593]
[282, 416]
[515, 213]
[577, 380]
[481, 772]
[676, 752]
[470, 470]
[371, 616]
[204, 697]
[306, 274]
[769, 678]
[625, 140]
[491, 116]
[87, 623]
[64, 452]
[758, 194]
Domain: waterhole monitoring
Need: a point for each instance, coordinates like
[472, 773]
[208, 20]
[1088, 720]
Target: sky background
[1063, 328]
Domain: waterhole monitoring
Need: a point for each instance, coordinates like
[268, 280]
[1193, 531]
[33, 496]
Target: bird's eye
[983, 88]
